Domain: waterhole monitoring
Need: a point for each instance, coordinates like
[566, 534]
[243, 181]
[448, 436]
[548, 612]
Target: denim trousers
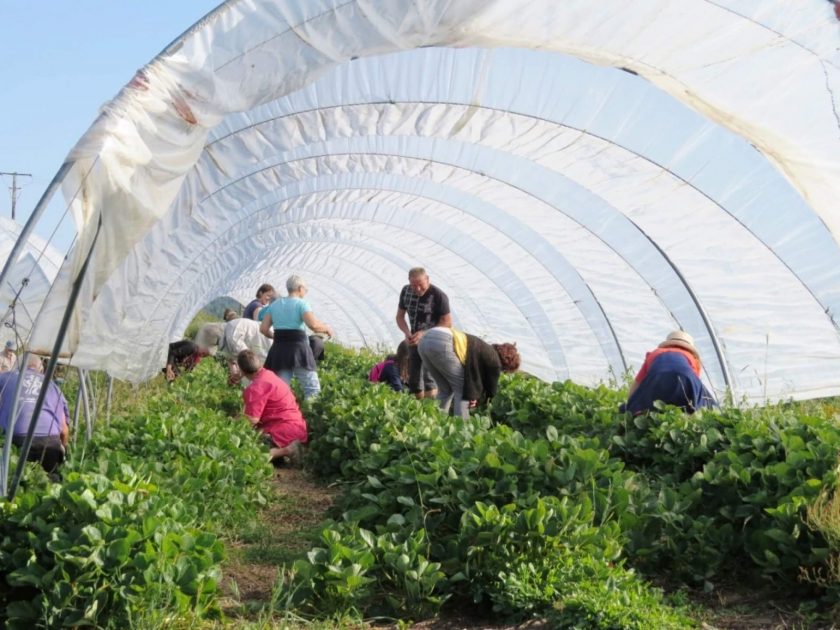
[308, 380]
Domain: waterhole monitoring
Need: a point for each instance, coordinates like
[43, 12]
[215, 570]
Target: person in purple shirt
[51, 428]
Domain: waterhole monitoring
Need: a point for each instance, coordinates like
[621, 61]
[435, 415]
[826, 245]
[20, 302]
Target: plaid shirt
[424, 311]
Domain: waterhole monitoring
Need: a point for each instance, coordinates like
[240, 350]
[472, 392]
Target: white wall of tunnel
[581, 210]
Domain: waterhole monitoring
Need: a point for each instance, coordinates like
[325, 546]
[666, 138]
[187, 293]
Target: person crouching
[270, 406]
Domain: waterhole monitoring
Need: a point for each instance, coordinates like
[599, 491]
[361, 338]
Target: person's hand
[330, 332]
[170, 373]
[473, 404]
[415, 338]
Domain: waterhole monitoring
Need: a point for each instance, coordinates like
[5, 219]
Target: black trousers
[47, 450]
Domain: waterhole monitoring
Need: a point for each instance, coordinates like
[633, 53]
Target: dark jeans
[46, 450]
[419, 378]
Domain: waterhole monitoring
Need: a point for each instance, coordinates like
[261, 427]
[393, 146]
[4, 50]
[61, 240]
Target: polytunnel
[578, 177]
[25, 288]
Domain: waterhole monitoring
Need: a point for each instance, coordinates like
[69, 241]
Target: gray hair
[34, 361]
[294, 283]
[248, 362]
[416, 272]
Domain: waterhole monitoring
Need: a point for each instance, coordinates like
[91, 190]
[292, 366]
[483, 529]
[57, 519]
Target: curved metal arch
[360, 296]
[668, 262]
[539, 315]
[617, 360]
[537, 336]
[713, 337]
[282, 227]
[396, 261]
[344, 291]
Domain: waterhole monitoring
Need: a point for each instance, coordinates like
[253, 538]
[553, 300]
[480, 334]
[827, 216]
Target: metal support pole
[108, 401]
[94, 398]
[7, 445]
[86, 402]
[76, 410]
[59, 341]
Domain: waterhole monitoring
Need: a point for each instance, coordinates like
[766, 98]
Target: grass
[259, 554]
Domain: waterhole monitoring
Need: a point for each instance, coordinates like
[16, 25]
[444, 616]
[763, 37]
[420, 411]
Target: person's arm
[266, 327]
[64, 431]
[392, 377]
[491, 370]
[316, 325]
[402, 324]
[63, 413]
[254, 421]
[255, 401]
[444, 312]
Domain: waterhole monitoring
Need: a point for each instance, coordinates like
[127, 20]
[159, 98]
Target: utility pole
[14, 188]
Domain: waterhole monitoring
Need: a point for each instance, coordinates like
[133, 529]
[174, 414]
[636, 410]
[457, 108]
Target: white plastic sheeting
[593, 176]
[31, 277]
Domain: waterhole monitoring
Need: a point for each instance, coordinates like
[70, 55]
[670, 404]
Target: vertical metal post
[76, 410]
[86, 402]
[94, 398]
[108, 401]
[59, 341]
[7, 445]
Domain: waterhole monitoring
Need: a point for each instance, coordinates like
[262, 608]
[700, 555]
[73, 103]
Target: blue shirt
[287, 313]
[55, 406]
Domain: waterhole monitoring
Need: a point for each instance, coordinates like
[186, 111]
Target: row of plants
[439, 509]
[732, 486]
[132, 537]
[547, 502]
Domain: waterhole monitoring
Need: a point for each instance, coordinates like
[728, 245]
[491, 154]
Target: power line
[15, 188]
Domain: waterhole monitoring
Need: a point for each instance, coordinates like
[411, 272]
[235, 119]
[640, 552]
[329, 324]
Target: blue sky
[61, 60]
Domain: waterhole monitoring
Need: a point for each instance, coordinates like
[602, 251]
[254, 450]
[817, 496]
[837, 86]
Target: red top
[693, 361]
[273, 402]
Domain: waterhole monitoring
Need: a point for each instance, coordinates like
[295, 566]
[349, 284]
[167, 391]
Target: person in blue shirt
[285, 321]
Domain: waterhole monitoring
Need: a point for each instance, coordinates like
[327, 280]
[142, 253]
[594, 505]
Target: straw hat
[680, 339]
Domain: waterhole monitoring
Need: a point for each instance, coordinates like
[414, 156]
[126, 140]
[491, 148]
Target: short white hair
[294, 283]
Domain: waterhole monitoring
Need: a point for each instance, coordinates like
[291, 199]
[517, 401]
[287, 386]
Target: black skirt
[290, 350]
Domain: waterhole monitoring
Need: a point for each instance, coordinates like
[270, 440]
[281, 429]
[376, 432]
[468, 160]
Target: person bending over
[51, 428]
[270, 406]
[671, 374]
[465, 368]
[183, 356]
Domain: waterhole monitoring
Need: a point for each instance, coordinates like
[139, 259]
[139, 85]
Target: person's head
[10, 347]
[295, 285]
[680, 339]
[508, 356]
[265, 293]
[34, 362]
[418, 280]
[229, 314]
[248, 362]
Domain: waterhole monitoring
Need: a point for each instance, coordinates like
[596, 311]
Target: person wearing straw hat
[670, 374]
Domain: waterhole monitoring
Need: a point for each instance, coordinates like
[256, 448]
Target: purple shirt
[55, 406]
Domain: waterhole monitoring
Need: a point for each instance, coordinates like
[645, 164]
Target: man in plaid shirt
[427, 307]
